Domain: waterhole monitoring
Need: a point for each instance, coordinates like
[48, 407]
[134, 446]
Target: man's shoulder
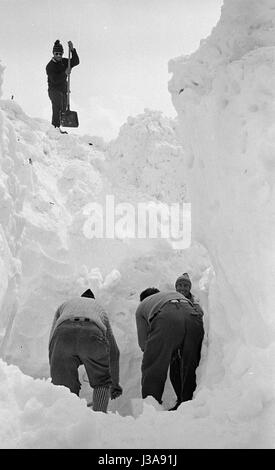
[195, 299]
[65, 303]
[85, 302]
[139, 309]
[76, 300]
[170, 295]
[49, 64]
[143, 308]
[147, 302]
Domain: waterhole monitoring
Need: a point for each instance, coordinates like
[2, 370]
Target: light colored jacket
[149, 307]
[90, 308]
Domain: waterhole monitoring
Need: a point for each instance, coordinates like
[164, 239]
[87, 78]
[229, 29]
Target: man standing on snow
[168, 325]
[57, 71]
[81, 334]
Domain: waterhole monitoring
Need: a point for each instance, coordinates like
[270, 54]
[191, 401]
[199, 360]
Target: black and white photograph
[137, 227]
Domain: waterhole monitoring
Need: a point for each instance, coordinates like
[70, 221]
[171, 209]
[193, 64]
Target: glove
[70, 44]
[116, 391]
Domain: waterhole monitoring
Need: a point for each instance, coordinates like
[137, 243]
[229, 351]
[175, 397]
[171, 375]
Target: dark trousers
[174, 328]
[75, 343]
[58, 99]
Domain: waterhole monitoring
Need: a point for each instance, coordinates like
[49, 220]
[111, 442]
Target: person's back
[81, 334]
[154, 302]
[80, 307]
[150, 306]
[167, 323]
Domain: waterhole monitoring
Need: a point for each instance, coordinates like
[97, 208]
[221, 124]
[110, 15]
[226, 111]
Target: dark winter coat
[57, 78]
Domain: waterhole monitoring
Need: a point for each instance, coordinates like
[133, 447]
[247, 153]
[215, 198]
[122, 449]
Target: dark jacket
[57, 78]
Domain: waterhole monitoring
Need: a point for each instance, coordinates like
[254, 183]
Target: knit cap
[88, 293]
[182, 277]
[58, 46]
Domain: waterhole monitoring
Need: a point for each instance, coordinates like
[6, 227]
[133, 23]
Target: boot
[175, 407]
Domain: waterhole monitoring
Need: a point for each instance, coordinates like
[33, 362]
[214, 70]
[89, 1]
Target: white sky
[124, 48]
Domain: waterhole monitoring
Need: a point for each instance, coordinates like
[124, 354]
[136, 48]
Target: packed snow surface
[223, 146]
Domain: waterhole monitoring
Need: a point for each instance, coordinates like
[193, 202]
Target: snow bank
[49, 180]
[224, 95]
[38, 415]
[140, 156]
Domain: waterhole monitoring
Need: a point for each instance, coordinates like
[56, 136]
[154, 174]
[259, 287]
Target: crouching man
[81, 334]
[168, 326]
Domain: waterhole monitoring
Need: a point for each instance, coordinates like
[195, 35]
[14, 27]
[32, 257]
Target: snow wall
[225, 98]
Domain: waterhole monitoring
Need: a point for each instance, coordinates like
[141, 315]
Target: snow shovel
[68, 118]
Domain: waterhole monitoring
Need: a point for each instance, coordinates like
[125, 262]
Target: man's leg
[57, 99]
[166, 334]
[191, 351]
[175, 374]
[155, 364]
[94, 353]
[64, 102]
[64, 362]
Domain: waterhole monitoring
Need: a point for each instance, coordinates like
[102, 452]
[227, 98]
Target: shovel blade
[69, 118]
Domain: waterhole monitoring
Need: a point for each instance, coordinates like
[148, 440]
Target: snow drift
[224, 95]
[48, 182]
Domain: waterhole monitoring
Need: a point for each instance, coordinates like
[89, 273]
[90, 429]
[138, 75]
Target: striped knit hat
[58, 46]
[184, 276]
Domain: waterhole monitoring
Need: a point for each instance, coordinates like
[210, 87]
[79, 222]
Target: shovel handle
[68, 79]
